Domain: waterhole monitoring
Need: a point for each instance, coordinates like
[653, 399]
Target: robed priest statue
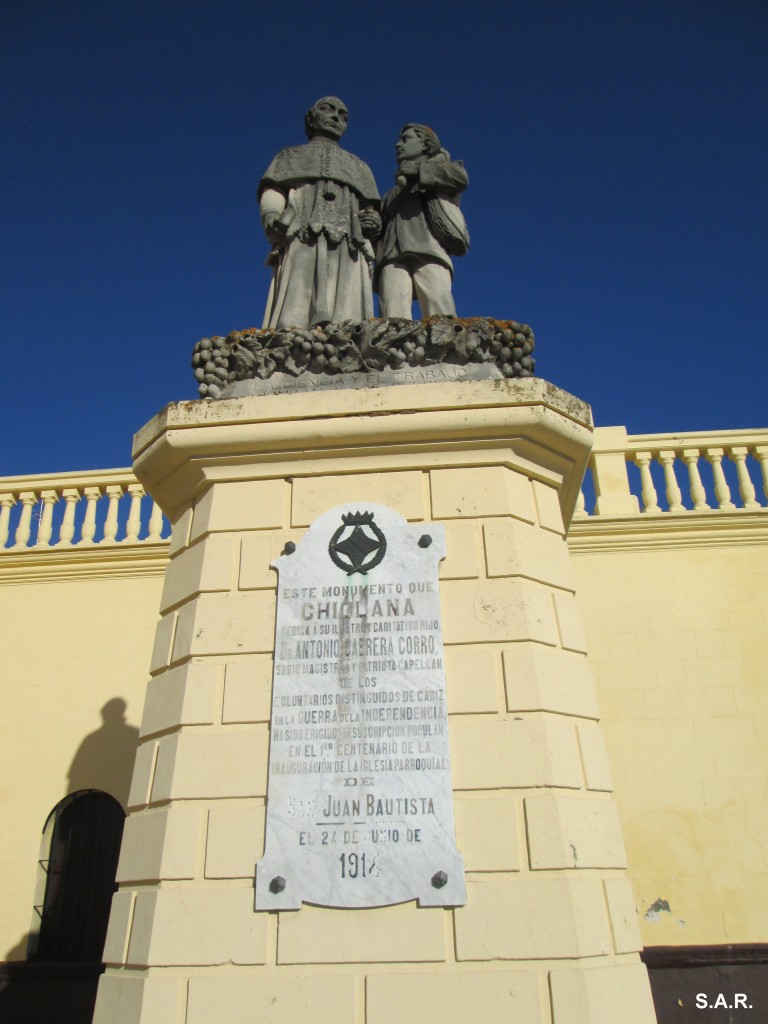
[320, 210]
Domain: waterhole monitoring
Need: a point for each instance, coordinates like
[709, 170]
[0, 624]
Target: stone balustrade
[659, 474]
[77, 510]
[628, 475]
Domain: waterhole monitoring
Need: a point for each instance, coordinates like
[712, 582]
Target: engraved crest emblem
[358, 545]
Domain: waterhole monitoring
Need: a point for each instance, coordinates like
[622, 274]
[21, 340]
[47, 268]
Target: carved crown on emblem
[358, 545]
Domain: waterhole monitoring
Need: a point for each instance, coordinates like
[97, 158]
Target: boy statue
[422, 228]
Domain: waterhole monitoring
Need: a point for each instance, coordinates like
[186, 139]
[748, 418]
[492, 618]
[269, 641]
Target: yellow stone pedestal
[548, 934]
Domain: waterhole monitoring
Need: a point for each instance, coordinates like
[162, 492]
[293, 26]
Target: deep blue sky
[618, 199]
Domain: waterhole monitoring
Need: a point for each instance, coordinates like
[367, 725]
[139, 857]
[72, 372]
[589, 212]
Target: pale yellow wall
[678, 640]
[679, 645]
[67, 649]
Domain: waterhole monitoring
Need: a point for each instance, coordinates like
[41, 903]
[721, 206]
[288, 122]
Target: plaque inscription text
[360, 809]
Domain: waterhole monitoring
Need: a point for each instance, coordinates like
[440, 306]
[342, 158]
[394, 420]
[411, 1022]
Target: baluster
[698, 494]
[114, 493]
[647, 490]
[746, 487]
[7, 501]
[88, 532]
[71, 496]
[133, 525]
[609, 474]
[674, 497]
[45, 528]
[24, 528]
[580, 511]
[761, 453]
[155, 523]
[722, 490]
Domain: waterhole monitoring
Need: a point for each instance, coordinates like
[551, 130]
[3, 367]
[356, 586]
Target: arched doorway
[85, 830]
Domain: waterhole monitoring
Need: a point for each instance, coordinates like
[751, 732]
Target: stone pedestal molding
[548, 934]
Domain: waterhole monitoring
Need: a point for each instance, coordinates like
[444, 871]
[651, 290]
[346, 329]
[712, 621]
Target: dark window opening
[85, 829]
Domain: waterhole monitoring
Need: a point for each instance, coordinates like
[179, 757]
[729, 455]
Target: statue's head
[328, 117]
[417, 140]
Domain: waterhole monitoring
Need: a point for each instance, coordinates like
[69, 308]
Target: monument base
[548, 933]
[283, 359]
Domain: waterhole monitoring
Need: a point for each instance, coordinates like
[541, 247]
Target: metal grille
[85, 845]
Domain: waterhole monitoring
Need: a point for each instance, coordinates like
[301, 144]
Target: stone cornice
[668, 530]
[587, 535]
[102, 561]
[529, 425]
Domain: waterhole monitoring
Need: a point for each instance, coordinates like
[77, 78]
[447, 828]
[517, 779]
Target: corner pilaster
[548, 934]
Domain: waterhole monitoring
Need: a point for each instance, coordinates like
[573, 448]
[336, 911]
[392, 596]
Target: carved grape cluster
[369, 346]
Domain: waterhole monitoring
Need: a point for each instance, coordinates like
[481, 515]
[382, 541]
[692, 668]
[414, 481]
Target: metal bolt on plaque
[359, 794]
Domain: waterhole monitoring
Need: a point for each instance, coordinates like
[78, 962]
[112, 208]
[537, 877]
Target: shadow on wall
[104, 760]
[36, 993]
[59, 983]
[19, 951]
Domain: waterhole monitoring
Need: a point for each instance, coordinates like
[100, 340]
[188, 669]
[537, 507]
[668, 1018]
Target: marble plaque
[359, 807]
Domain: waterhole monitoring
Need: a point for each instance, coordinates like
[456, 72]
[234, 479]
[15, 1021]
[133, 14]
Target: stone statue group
[334, 240]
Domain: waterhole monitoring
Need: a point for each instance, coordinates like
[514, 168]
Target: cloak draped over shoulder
[317, 160]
